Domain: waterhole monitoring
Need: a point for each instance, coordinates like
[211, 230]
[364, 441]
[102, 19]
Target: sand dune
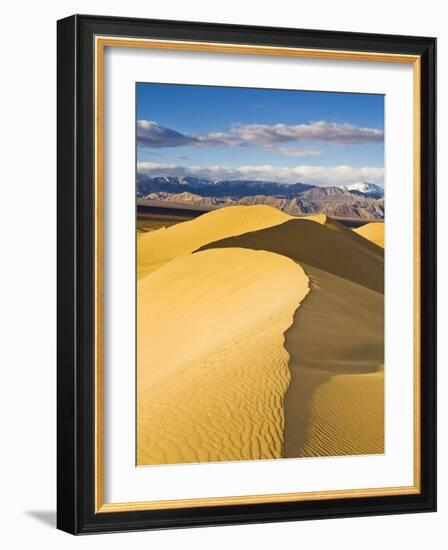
[323, 219]
[230, 367]
[212, 368]
[158, 247]
[328, 246]
[334, 403]
[374, 232]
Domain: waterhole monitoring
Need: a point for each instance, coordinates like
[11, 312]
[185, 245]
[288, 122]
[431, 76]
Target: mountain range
[358, 200]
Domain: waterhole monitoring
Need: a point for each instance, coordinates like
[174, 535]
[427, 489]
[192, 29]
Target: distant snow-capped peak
[365, 188]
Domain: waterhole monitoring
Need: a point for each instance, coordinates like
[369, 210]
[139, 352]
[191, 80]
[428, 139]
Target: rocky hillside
[363, 201]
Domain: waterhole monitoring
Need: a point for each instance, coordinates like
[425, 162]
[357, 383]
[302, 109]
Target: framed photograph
[246, 274]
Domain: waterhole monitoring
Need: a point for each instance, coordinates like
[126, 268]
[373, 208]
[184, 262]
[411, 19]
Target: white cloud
[316, 131]
[316, 175]
[151, 134]
[296, 151]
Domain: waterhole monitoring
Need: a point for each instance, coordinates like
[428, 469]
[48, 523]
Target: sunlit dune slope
[327, 246]
[374, 232]
[323, 219]
[157, 247]
[212, 368]
[334, 404]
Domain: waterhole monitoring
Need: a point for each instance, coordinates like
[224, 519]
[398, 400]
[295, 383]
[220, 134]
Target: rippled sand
[267, 342]
[212, 368]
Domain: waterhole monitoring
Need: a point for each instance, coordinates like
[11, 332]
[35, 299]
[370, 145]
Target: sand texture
[266, 342]
[216, 391]
[337, 332]
[374, 232]
[335, 402]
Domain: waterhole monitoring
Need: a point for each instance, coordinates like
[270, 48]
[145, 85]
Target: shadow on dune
[338, 331]
[330, 247]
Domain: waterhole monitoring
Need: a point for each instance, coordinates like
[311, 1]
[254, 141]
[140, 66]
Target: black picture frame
[76, 264]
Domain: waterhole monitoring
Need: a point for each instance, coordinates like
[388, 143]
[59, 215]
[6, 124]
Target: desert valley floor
[259, 336]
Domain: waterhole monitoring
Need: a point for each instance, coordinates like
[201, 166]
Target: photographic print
[239, 338]
[260, 273]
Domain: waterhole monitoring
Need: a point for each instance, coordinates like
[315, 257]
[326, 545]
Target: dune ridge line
[334, 404]
[300, 378]
[217, 392]
[158, 247]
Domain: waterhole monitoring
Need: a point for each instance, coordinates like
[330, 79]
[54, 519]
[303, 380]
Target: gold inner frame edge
[101, 42]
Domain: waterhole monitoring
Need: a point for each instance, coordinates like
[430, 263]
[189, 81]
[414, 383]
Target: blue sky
[324, 138]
